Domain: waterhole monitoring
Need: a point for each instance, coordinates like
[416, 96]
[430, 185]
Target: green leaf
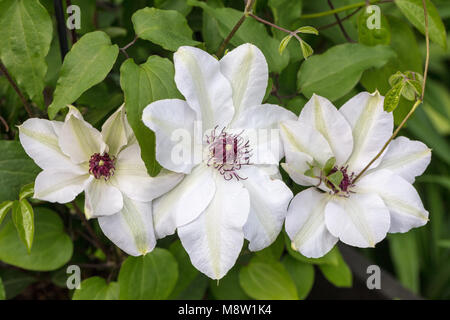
[308, 29]
[335, 72]
[405, 257]
[340, 275]
[414, 12]
[302, 273]
[26, 191]
[444, 243]
[96, 288]
[188, 274]
[15, 281]
[5, 206]
[372, 36]
[25, 37]
[2, 291]
[143, 84]
[23, 218]
[307, 51]
[167, 28]
[228, 288]
[336, 178]
[251, 31]
[392, 97]
[329, 165]
[87, 63]
[52, 247]
[267, 281]
[16, 169]
[286, 12]
[272, 252]
[283, 43]
[179, 5]
[151, 277]
[331, 257]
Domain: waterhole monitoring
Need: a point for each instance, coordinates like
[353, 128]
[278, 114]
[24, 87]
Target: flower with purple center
[326, 149]
[106, 165]
[227, 194]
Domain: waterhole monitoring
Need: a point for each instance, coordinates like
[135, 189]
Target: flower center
[227, 153]
[346, 182]
[101, 166]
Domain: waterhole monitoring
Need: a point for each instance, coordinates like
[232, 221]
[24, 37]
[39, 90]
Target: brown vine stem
[124, 49]
[247, 10]
[91, 231]
[339, 22]
[416, 104]
[73, 33]
[16, 88]
[342, 19]
[292, 33]
[3, 121]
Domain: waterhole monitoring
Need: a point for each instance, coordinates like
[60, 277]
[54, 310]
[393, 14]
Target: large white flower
[76, 157]
[327, 145]
[224, 195]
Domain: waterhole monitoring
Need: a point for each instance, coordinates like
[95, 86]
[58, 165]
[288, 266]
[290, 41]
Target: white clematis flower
[224, 196]
[76, 157]
[361, 212]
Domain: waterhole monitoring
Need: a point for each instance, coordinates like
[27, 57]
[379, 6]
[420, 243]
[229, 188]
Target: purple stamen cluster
[101, 166]
[228, 153]
[347, 180]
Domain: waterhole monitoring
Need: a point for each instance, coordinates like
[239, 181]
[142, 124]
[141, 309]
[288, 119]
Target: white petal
[79, 140]
[214, 240]
[269, 199]
[305, 224]
[185, 202]
[399, 196]
[40, 141]
[132, 228]
[102, 199]
[406, 158]
[207, 91]
[131, 177]
[115, 132]
[361, 220]
[371, 127]
[260, 125]
[325, 118]
[246, 69]
[173, 123]
[60, 186]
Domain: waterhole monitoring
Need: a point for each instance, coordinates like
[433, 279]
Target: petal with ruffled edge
[60, 186]
[185, 202]
[132, 228]
[214, 240]
[325, 118]
[173, 123]
[399, 196]
[207, 91]
[246, 69]
[407, 158]
[269, 199]
[102, 199]
[115, 132]
[305, 224]
[260, 125]
[371, 128]
[40, 141]
[361, 220]
[79, 140]
[131, 177]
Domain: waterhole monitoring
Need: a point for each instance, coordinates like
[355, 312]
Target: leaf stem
[292, 33]
[16, 88]
[124, 48]
[344, 8]
[341, 26]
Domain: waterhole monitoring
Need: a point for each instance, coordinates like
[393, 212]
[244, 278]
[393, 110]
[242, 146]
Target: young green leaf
[25, 37]
[96, 288]
[148, 277]
[308, 29]
[329, 165]
[283, 43]
[392, 97]
[336, 178]
[23, 217]
[143, 84]
[307, 51]
[267, 281]
[5, 206]
[414, 12]
[87, 63]
[26, 191]
[167, 28]
[372, 35]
